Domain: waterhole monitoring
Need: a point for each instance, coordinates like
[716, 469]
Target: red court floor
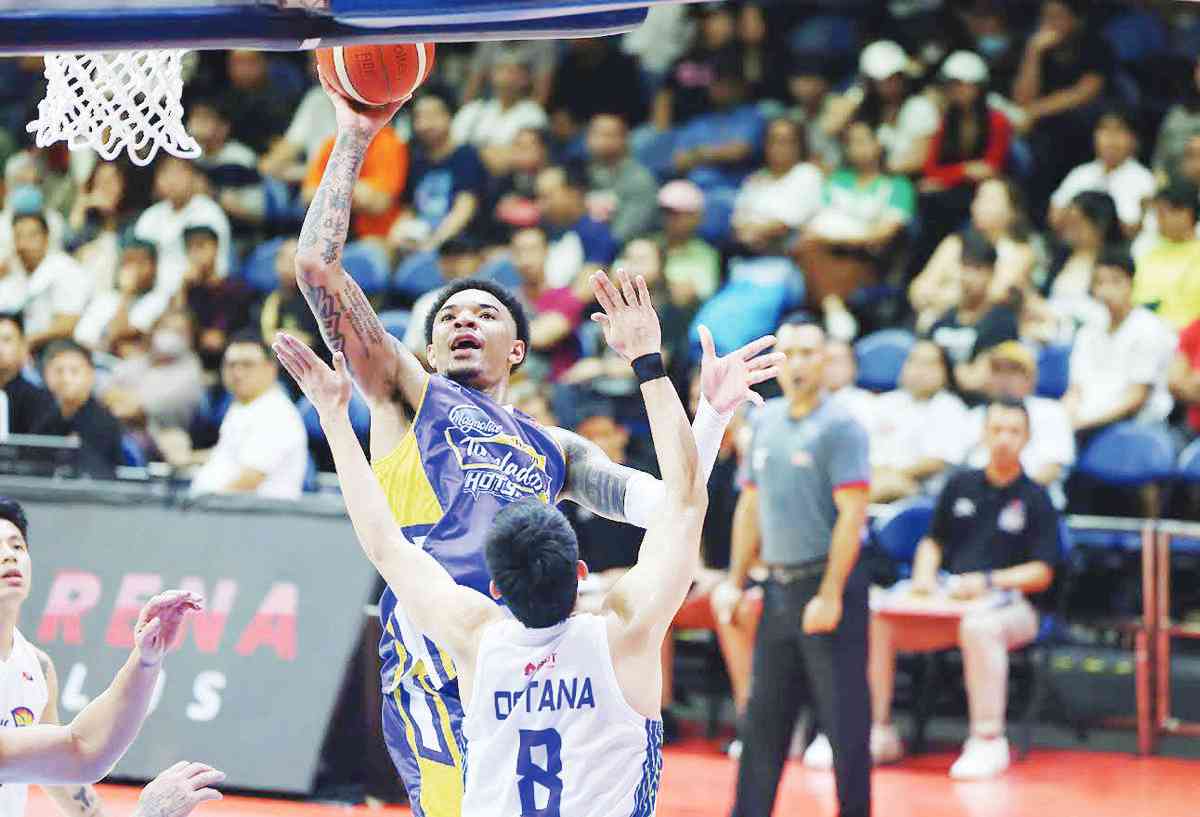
[698, 782]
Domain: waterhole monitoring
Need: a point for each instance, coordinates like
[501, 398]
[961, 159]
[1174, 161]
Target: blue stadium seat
[1189, 463]
[360, 418]
[1054, 370]
[367, 264]
[501, 270]
[258, 270]
[881, 355]
[131, 452]
[1136, 35]
[899, 530]
[211, 411]
[395, 321]
[1129, 454]
[416, 275]
[716, 226]
[310, 476]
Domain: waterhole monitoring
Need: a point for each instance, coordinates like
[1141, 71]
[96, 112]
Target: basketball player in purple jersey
[465, 455]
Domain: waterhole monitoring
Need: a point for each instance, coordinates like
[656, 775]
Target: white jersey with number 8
[549, 732]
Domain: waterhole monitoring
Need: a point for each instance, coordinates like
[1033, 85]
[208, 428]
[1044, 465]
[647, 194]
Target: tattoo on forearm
[328, 217]
[350, 304]
[85, 798]
[593, 485]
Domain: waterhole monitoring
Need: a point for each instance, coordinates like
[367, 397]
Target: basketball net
[115, 101]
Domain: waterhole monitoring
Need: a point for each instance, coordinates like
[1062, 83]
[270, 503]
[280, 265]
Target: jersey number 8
[531, 775]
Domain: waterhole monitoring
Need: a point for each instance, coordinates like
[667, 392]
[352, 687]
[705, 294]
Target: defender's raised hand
[327, 389]
[158, 624]
[629, 321]
[726, 381]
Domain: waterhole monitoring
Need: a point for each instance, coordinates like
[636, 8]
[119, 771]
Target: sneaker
[734, 749]
[886, 746]
[982, 758]
[819, 754]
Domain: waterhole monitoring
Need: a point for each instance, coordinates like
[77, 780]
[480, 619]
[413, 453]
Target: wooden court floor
[698, 782]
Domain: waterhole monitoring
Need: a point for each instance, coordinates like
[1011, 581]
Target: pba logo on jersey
[493, 462]
[547, 662]
[22, 716]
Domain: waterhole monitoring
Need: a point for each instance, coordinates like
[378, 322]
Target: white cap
[882, 59]
[965, 66]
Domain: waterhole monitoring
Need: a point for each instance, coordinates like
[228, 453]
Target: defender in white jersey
[562, 711]
[34, 748]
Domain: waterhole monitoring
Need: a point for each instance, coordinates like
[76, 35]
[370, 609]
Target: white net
[109, 102]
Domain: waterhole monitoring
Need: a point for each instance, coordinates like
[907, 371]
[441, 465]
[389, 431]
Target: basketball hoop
[116, 101]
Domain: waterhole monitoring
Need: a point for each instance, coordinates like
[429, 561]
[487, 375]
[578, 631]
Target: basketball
[377, 74]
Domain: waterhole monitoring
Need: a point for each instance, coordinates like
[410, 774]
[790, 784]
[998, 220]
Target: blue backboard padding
[473, 11]
[265, 27]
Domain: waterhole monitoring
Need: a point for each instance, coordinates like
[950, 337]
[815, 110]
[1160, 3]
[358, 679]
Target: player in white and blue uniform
[562, 710]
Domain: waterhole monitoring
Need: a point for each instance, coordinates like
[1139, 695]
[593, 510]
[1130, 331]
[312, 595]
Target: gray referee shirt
[796, 465]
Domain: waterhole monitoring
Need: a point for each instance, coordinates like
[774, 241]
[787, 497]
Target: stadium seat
[899, 529]
[881, 355]
[258, 270]
[1136, 35]
[395, 321]
[501, 270]
[367, 264]
[1054, 370]
[131, 452]
[416, 275]
[310, 477]
[716, 226]
[1189, 463]
[1129, 454]
[360, 418]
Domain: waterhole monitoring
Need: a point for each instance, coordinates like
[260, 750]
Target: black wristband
[649, 367]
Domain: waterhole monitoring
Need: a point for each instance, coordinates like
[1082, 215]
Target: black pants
[792, 670]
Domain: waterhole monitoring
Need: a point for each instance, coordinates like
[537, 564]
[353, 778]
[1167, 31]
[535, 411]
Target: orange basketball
[376, 74]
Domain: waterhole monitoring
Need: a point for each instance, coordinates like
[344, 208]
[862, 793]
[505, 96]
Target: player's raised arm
[87, 748]
[450, 614]
[380, 363]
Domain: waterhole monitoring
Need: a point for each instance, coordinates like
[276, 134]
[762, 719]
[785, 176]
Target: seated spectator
[108, 202]
[905, 458]
[990, 30]
[841, 371]
[992, 529]
[445, 185]
[1064, 70]
[1051, 447]
[555, 313]
[540, 57]
[810, 78]
[258, 106]
[661, 39]
[1189, 172]
[375, 205]
[47, 286]
[621, 192]
[1119, 370]
[180, 205]
[311, 124]
[970, 146]
[230, 166]
[458, 259]
[997, 213]
[693, 266]
[761, 52]
[491, 125]
[864, 211]
[221, 306]
[904, 122]
[1178, 128]
[24, 180]
[262, 448]
[1183, 378]
[510, 201]
[284, 309]
[778, 200]
[129, 308]
[720, 144]
[577, 96]
[70, 377]
[674, 301]
[579, 245]
[161, 389]
[1089, 224]
[684, 93]
[1115, 171]
[976, 325]
[1168, 276]
[24, 407]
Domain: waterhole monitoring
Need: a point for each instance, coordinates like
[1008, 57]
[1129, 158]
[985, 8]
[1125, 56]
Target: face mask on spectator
[992, 45]
[168, 344]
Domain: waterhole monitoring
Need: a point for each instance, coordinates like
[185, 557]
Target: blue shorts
[422, 727]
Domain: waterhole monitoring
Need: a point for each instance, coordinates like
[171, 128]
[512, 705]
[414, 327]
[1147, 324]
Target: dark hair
[952, 148]
[11, 510]
[797, 128]
[531, 554]
[1011, 403]
[61, 347]
[1116, 255]
[1099, 208]
[498, 291]
[441, 94]
[143, 245]
[15, 318]
[36, 215]
[218, 105]
[801, 317]
[200, 230]
[250, 337]
[1121, 114]
[574, 175]
[977, 251]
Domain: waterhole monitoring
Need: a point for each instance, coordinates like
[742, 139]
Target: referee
[801, 513]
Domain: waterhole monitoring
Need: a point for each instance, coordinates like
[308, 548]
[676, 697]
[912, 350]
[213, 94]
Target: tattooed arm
[72, 801]
[383, 368]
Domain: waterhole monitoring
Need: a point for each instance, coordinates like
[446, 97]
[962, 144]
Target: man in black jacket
[24, 407]
[67, 368]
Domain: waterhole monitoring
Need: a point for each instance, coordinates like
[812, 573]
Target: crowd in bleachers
[976, 198]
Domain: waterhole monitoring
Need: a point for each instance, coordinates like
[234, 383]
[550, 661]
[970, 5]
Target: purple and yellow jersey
[463, 459]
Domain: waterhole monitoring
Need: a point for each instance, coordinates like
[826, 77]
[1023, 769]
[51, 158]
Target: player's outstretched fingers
[755, 346]
[204, 795]
[707, 348]
[775, 359]
[206, 780]
[643, 292]
[195, 767]
[627, 289]
[288, 360]
[606, 294]
[762, 375]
